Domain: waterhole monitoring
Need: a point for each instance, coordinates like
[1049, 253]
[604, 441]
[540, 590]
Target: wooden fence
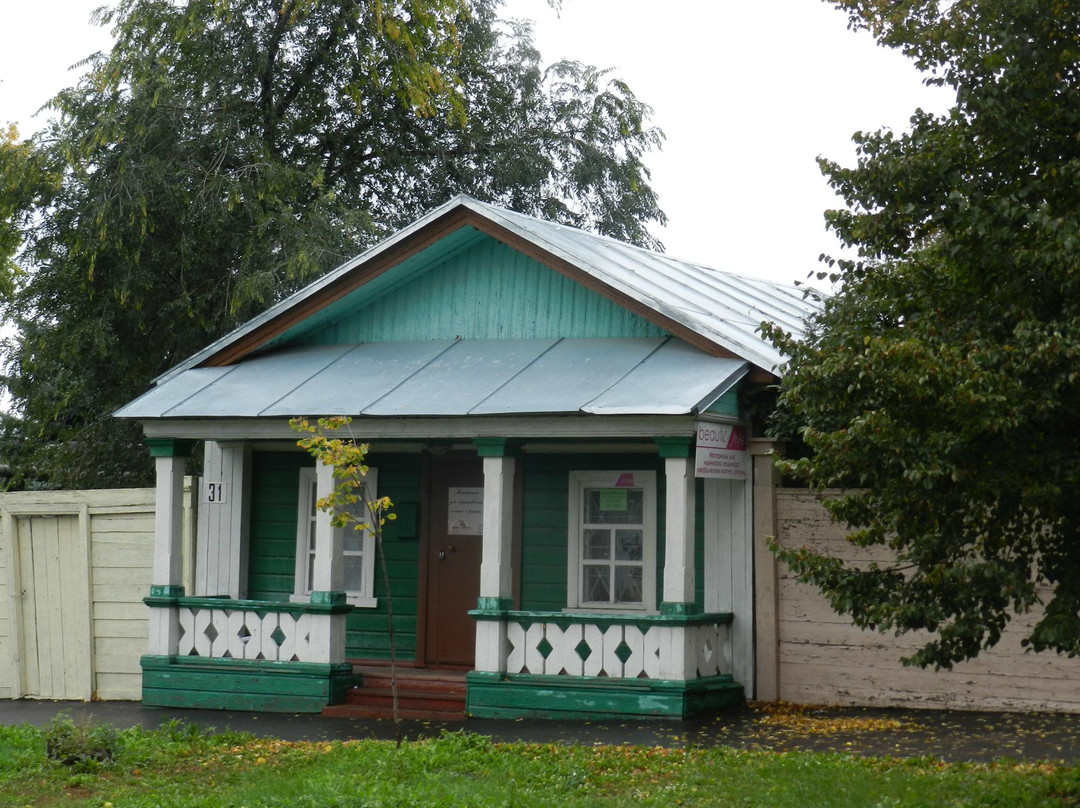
[824, 659]
[74, 568]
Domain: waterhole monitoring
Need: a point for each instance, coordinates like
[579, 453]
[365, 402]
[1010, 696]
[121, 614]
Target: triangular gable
[716, 312]
[485, 291]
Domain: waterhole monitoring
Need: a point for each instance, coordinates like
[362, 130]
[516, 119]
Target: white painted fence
[824, 659]
[74, 569]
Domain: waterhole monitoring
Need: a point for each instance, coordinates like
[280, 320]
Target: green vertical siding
[727, 404]
[488, 291]
[275, 498]
[544, 524]
[275, 480]
[367, 632]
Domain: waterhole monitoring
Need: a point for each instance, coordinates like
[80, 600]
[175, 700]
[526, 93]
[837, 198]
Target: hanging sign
[721, 452]
[465, 516]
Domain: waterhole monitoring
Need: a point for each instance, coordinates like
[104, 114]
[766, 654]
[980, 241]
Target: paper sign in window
[613, 499]
[465, 515]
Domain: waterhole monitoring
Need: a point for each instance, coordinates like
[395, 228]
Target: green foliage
[939, 387]
[226, 152]
[469, 771]
[83, 746]
[346, 457]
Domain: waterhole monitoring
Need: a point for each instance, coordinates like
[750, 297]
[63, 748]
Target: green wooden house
[556, 418]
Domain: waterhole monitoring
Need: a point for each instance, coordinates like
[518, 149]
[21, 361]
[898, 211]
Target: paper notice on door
[466, 512]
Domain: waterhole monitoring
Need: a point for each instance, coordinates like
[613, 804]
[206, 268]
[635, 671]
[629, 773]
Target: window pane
[597, 584]
[597, 544]
[354, 539]
[614, 506]
[628, 585]
[629, 545]
[354, 573]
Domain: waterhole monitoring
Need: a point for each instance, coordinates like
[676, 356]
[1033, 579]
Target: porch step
[422, 694]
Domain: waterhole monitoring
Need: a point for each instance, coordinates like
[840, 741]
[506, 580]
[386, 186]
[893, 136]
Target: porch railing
[222, 628]
[616, 646]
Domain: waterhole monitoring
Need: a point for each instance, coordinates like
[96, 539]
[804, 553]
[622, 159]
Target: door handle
[449, 549]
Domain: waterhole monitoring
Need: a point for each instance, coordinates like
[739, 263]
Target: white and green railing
[212, 652]
[244, 630]
[625, 646]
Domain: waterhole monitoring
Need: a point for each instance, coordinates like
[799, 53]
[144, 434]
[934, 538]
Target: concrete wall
[74, 568]
[824, 659]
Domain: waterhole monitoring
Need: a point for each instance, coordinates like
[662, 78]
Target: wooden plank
[45, 534]
[131, 627]
[76, 608]
[132, 646]
[119, 686]
[123, 526]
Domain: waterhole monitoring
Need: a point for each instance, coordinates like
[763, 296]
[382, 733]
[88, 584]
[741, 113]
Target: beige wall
[824, 659]
[72, 620]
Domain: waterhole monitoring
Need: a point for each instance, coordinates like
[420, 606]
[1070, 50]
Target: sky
[748, 94]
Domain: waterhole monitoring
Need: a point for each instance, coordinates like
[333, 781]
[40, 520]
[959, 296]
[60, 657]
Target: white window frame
[579, 482]
[305, 527]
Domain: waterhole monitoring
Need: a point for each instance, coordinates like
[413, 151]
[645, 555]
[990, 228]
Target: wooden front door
[453, 559]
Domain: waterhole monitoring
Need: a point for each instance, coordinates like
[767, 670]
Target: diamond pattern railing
[573, 645]
[227, 632]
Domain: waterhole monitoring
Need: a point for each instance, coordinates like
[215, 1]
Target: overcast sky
[748, 94]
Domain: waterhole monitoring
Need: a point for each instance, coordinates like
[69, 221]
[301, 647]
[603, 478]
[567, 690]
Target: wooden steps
[423, 694]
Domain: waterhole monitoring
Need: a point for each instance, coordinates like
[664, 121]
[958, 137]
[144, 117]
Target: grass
[182, 765]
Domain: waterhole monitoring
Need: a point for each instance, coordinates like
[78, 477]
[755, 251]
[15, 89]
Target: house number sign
[215, 493]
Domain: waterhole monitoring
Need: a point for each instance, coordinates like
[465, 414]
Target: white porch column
[221, 566]
[328, 578]
[679, 576]
[170, 458]
[496, 567]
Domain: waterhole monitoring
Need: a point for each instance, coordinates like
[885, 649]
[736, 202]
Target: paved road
[948, 735]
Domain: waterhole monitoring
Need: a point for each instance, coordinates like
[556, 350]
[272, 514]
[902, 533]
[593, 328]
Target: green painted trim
[238, 684]
[334, 598]
[675, 446]
[494, 604]
[257, 606]
[727, 405]
[603, 621]
[169, 447]
[566, 697]
[166, 591]
[684, 609]
[495, 447]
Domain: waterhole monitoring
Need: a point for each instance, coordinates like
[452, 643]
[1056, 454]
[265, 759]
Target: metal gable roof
[718, 308]
[452, 378]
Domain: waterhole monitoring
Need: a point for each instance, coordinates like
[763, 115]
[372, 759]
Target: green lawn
[183, 766]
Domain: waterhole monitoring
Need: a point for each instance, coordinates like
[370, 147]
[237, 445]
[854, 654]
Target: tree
[349, 496]
[939, 387]
[224, 153]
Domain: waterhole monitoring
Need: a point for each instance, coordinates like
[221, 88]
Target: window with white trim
[612, 540]
[359, 545]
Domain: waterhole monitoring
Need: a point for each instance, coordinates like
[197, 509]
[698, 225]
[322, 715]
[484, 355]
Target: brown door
[454, 551]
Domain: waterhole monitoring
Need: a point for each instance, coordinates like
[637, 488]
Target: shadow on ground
[947, 735]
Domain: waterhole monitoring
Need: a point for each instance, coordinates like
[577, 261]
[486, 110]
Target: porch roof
[662, 376]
